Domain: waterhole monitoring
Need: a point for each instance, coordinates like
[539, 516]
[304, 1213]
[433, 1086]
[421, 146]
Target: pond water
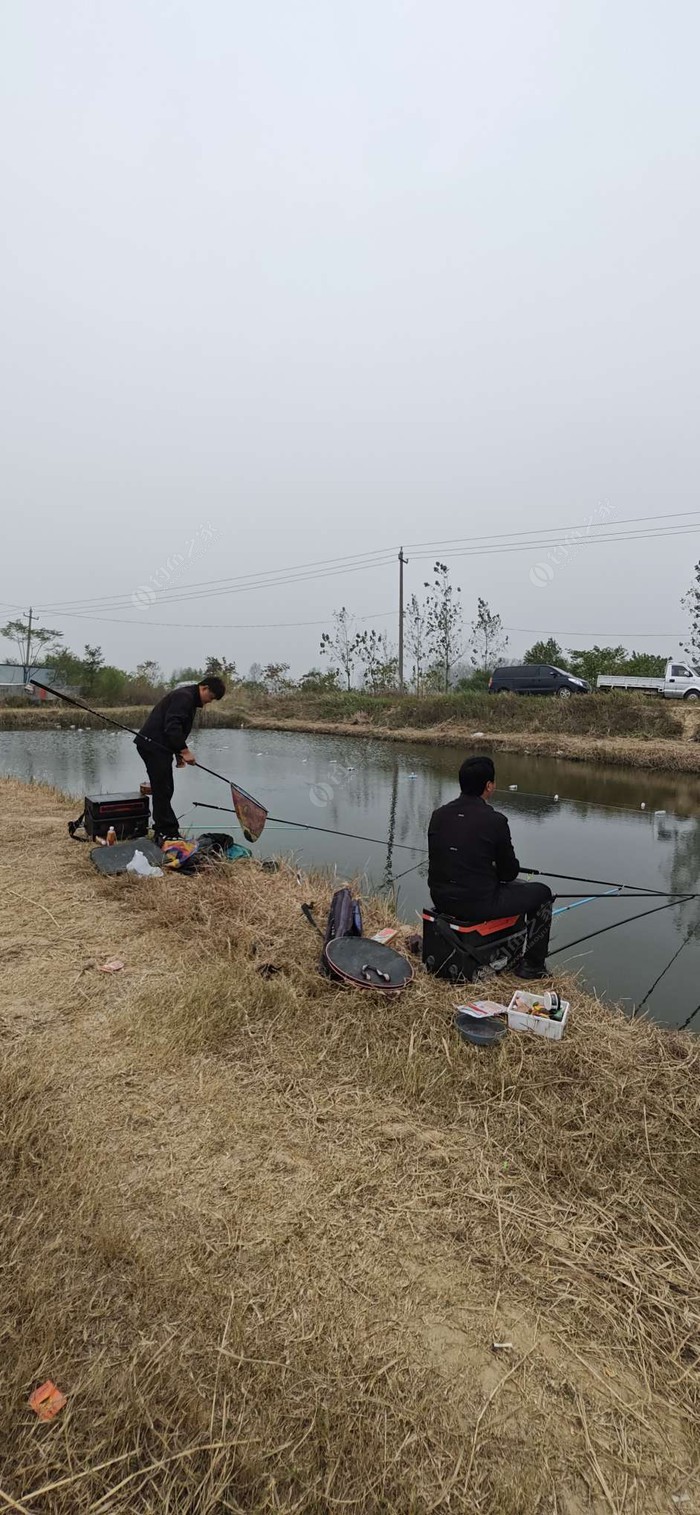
[385, 790]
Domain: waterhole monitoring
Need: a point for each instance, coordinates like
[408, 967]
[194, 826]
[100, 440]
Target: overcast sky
[322, 278]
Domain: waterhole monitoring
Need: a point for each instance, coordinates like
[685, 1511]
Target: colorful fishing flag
[251, 814]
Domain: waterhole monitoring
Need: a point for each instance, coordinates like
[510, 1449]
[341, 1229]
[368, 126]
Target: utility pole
[28, 648]
[402, 560]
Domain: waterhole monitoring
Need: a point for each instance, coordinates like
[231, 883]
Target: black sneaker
[531, 971]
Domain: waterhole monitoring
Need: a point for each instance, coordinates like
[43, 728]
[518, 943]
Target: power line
[212, 592]
[320, 568]
[263, 578]
[82, 615]
[625, 536]
[537, 631]
[376, 615]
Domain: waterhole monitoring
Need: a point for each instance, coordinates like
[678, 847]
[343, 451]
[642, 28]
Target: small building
[13, 684]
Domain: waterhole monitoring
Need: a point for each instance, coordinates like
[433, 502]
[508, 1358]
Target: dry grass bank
[264, 1232]
[618, 752]
[616, 714]
[57, 717]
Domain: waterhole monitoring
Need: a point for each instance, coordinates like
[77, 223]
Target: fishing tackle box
[129, 814]
[520, 1017]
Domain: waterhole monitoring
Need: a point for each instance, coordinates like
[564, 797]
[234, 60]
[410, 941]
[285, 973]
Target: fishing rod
[691, 1017]
[562, 909]
[664, 971]
[160, 746]
[639, 891]
[307, 826]
[576, 878]
[614, 889]
[627, 921]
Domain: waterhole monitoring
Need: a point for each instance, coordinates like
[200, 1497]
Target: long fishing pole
[664, 971]
[161, 747]
[562, 909]
[627, 921]
[691, 1017]
[307, 826]
[575, 878]
[640, 891]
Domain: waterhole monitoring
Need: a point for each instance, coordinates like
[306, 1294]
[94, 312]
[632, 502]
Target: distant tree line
[442, 654]
[588, 662]
[435, 639]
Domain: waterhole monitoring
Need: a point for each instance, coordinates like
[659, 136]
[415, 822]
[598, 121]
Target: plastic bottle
[111, 837]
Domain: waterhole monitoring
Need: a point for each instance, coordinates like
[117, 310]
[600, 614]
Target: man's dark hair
[475, 773]
[217, 686]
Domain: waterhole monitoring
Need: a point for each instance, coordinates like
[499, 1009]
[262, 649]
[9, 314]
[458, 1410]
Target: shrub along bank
[591, 715]
[614, 715]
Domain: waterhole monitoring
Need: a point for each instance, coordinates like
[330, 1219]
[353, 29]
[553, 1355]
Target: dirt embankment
[625, 751]
[290, 1248]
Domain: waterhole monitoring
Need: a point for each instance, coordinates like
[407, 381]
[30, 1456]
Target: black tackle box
[129, 814]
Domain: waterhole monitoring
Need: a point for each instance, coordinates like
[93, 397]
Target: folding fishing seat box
[129, 814]
[460, 950]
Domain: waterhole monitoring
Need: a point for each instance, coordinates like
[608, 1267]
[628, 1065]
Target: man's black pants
[534, 901]
[159, 767]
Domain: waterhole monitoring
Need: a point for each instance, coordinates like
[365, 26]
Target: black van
[536, 678]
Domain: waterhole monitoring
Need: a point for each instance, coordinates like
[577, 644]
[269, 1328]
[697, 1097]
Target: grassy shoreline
[617, 730]
[264, 1231]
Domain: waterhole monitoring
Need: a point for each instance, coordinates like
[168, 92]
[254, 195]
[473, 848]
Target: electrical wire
[82, 615]
[326, 568]
[377, 615]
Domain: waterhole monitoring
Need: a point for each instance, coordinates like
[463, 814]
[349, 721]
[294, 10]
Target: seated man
[473, 867]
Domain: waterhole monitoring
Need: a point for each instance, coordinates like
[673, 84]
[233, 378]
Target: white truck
[680, 682]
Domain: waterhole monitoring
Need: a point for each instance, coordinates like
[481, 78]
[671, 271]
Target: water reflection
[388, 790]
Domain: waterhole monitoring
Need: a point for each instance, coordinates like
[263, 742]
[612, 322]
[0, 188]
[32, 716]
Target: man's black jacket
[470, 853]
[171, 720]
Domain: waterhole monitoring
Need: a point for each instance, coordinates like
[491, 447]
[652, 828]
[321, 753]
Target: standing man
[473, 870]
[163, 737]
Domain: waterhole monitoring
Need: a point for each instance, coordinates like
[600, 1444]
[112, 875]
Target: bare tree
[487, 640]
[379, 662]
[33, 643]
[340, 644]
[274, 677]
[443, 622]
[92, 663]
[691, 604]
[416, 633]
[222, 667]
